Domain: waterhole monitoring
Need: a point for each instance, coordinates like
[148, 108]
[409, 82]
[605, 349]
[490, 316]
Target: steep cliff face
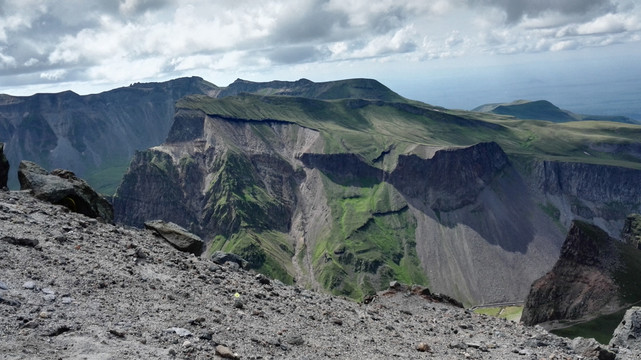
[231, 183]
[452, 178]
[266, 190]
[587, 191]
[350, 193]
[631, 233]
[93, 135]
[4, 168]
[595, 275]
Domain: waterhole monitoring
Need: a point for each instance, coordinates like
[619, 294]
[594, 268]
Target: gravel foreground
[74, 288]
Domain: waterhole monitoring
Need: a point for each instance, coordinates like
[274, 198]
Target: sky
[583, 55]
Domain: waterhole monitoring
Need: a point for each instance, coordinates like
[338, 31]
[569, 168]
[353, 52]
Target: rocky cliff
[631, 233]
[93, 135]
[588, 192]
[270, 191]
[4, 168]
[595, 275]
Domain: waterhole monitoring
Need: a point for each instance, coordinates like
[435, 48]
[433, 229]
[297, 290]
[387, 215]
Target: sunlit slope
[370, 128]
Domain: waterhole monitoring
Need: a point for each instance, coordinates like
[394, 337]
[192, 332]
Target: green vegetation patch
[267, 252]
[106, 179]
[372, 240]
[512, 313]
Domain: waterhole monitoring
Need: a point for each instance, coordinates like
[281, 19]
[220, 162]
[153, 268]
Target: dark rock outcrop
[631, 232]
[452, 178]
[4, 168]
[177, 236]
[62, 187]
[628, 333]
[582, 282]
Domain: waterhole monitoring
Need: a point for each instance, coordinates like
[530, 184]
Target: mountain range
[342, 185]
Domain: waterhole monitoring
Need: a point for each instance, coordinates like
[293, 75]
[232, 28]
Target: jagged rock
[177, 236]
[591, 349]
[628, 333]
[220, 257]
[580, 283]
[4, 168]
[62, 187]
[631, 232]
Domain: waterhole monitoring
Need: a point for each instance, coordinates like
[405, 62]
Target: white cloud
[609, 23]
[53, 75]
[102, 40]
[564, 45]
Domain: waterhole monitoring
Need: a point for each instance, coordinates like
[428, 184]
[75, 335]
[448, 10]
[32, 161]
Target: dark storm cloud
[517, 9]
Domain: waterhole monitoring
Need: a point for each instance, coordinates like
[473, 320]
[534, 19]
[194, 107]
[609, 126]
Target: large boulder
[62, 187]
[177, 236]
[628, 334]
[4, 168]
[591, 349]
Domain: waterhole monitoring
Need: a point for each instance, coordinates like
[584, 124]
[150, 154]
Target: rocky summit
[72, 287]
[595, 275]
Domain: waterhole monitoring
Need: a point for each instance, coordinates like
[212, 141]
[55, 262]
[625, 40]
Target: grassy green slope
[371, 242]
[370, 127]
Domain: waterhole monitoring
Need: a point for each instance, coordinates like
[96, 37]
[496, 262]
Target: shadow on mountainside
[475, 187]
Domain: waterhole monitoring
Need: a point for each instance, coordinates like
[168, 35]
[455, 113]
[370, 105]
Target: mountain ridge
[311, 189]
[545, 110]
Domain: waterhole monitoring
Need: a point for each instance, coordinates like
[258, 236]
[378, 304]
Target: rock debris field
[74, 288]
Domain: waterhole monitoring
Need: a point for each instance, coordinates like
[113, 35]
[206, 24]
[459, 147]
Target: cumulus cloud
[53, 75]
[515, 10]
[64, 39]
